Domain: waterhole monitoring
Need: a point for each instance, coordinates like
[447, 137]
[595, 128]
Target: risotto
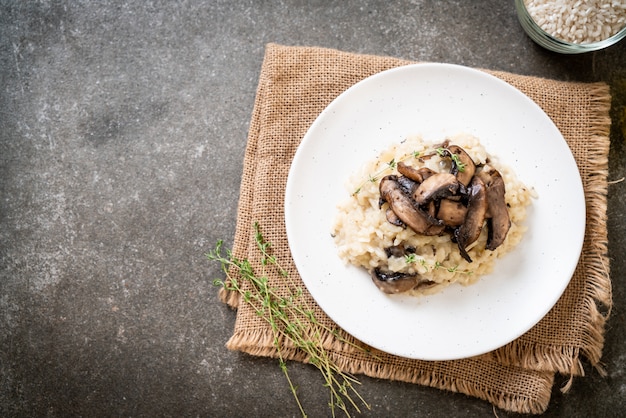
[391, 251]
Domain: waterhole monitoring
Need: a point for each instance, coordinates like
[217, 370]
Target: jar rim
[543, 38]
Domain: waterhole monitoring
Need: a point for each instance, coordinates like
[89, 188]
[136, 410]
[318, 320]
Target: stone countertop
[122, 132]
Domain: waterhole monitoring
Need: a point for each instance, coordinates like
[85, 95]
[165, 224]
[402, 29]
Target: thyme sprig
[443, 152]
[388, 167]
[412, 258]
[391, 165]
[291, 319]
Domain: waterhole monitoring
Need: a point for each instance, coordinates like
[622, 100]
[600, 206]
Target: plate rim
[410, 68]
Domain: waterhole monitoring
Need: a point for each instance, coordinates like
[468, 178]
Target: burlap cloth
[296, 84]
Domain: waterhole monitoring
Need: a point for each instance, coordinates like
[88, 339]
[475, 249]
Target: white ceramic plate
[436, 100]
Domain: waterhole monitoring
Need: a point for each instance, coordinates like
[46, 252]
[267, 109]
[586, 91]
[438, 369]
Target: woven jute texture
[296, 84]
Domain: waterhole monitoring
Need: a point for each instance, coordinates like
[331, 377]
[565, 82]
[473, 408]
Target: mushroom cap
[394, 283]
[463, 173]
[436, 186]
[451, 212]
[415, 174]
[471, 228]
[404, 208]
[499, 221]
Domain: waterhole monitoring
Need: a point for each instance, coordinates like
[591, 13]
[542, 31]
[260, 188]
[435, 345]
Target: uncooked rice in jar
[362, 232]
[578, 21]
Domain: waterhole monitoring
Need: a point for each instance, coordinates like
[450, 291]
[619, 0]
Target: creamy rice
[362, 232]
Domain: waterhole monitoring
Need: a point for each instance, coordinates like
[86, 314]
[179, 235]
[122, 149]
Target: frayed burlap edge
[594, 258]
[261, 343]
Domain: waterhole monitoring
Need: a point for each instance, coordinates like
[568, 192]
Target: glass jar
[541, 37]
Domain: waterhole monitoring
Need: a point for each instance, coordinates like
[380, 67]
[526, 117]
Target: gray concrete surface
[122, 132]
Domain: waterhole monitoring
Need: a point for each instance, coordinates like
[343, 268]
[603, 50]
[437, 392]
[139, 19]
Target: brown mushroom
[498, 220]
[451, 212]
[431, 209]
[471, 228]
[415, 174]
[407, 185]
[463, 166]
[399, 250]
[392, 218]
[406, 210]
[437, 186]
[394, 283]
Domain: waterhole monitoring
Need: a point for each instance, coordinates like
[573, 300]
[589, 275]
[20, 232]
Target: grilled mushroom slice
[394, 283]
[407, 185]
[405, 210]
[451, 212]
[415, 174]
[399, 250]
[466, 169]
[498, 220]
[471, 228]
[437, 186]
[392, 218]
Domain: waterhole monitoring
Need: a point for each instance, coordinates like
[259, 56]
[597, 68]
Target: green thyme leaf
[290, 318]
